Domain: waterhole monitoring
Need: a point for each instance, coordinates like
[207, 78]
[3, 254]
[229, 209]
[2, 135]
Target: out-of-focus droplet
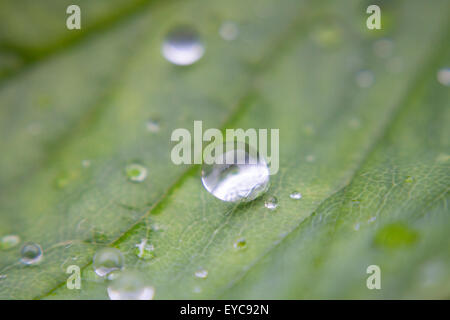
[229, 30]
[130, 286]
[9, 241]
[443, 76]
[182, 46]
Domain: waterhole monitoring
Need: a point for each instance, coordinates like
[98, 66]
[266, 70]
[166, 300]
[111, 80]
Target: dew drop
[240, 244]
[107, 260]
[364, 78]
[201, 273]
[129, 286]
[443, 76]
[136, 172]
[31, 253]
[271, 203]
[144, 250]
[9, 241]
[152, 126]
[229, 31]
[182, 46]
[237, 173]
[295, 195]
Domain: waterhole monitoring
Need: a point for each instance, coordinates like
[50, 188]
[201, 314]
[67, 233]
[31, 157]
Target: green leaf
[371, 163]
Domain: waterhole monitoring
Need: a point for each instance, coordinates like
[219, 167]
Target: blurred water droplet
[240, 244]
[237, 174]
[364, 78]
[3, 276]
[9, 241]
[130, 286]
[202, 273]
[356, 226]
[371, 219]
[271, 203]
[229, 31]
[136, 172]
[295, 195]
[182, 46]
[383, 48]
[107, 260]
[152, 126]
[145, 251]
[31, 253]
[443, 76]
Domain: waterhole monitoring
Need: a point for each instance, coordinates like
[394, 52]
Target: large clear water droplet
[9, 241]
[237, 173]
[31, 253]
[107, 260]
[129, 286]
[183, 46]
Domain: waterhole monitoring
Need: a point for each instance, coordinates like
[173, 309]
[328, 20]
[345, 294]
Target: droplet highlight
[144, 250]
[9, 241]
[201, 273]
[31, 253]
[130, 286]
[295, 195]
[107, 260]
[136, 172]
[182, 46]
[238, 173]
[271, 203]
[443, 76]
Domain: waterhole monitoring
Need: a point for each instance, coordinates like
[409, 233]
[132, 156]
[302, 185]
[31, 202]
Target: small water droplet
[183, 46]
[409, 179]
[383, 48]
[295, 195]
[145, 251]
[31, 253]
[229, 31]
[201, 273]
[443, 76]
[136, 172]
[238, 173]
[364, 78]
[371, 219]
[9, 241]
[240, 244]
[130, 286]
[107, 260]
[152, 126]
[3, 276]
[271, 203]
[356, 226]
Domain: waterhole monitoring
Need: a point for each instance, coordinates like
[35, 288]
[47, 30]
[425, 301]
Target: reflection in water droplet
[130, 286]
[182, 46]
[9, 241]
[443, 76]
[31, 253]
[107, 260]
[136, 172]
[229, 31]
[383, 48]
[240, 244]
[364, 78]
[238, 173]
[145, 251]
[152, 126]
[271, 203]
[295, 195]
[202, 273]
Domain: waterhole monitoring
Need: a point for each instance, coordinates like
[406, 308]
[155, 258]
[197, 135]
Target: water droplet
[31, 253]
[229, 31]
[107, 260]
[371, 219]
[145, 251]
[183, 46]
[201, 273]
[9, 241]
[152, 126]
[443, 76]
[356, 226]
[238, 173]
[271, 203]
[129, 286]
[3, 276]
[240, 244]
[383, 48]
[113, 275]
[295, 195]
[409, 179]
[364, 78]
[136, 172]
